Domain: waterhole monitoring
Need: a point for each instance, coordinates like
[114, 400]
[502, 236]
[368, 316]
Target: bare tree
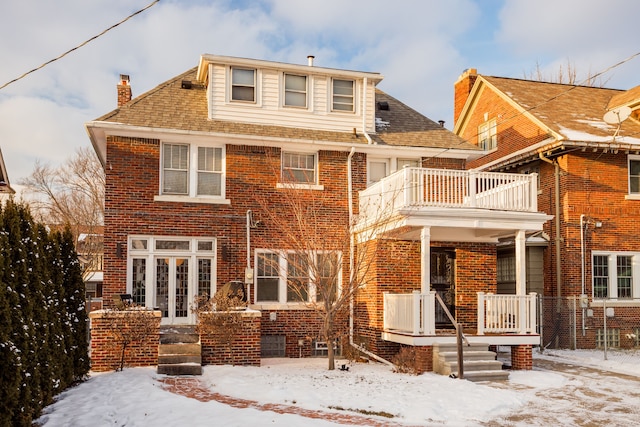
[565, 75]
[73, 194]
[324, 271]
[220, 318]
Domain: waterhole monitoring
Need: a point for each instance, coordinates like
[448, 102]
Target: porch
[410, 319]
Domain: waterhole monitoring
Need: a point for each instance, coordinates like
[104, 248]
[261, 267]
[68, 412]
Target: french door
[172, 290]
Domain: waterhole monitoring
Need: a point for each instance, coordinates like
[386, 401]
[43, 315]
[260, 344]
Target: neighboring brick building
[5, 187]
[589, 172]
[198, 170]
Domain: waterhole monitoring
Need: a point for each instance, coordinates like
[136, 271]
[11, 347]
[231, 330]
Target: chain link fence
[575, 323]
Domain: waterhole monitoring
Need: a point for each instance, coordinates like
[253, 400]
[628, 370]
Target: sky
[420, 47]
[554, 393]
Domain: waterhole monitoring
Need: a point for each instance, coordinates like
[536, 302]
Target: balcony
[502, 319]
[412, 188]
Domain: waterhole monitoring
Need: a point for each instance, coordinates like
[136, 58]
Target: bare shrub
[220, 318]
[405, 361]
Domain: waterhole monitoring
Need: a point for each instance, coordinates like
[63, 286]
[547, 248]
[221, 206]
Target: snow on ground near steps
[135, 398]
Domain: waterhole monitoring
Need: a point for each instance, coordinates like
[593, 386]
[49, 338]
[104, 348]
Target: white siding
[268, 107]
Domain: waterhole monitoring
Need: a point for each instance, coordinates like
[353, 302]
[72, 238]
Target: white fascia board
[98, 132]
[207, 59]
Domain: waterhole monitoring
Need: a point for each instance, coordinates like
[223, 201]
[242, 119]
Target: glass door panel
[162, 286]
[181, 309]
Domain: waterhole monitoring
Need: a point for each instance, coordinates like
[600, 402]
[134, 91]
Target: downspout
[352, 263]
[582, 261]
[558, 238]
[249, 213]
[364, 117]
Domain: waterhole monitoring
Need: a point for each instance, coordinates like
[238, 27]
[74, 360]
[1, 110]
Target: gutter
[558, 237]
[352, 265]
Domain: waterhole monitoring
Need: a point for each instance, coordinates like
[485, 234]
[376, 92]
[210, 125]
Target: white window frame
[232, 85]
[636, 194]
[612, 278]
[391, 164]
[144, 247]
[488, 135]
[339, 99]
[193, 171]
[305, 92]
[285, 183]
[282, 279]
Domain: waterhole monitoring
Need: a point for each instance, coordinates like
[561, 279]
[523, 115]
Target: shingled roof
[168, 106]
[573, 112]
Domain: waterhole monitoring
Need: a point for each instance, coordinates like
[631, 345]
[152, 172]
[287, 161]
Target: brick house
[187, 162]
[584, 144]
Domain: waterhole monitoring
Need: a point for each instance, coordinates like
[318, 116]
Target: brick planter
[110, 327]
[245, 346]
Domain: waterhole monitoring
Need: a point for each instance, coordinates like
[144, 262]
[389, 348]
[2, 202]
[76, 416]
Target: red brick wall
[245, 348]
[105, 353]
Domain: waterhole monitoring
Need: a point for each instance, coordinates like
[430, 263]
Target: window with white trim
[343, 91]
[487, 135]
[192, 171]
[634, 175]
[290, 277]
[378, 168]
[295, 90]
[616, 275]
[299, 168]
[243, 84]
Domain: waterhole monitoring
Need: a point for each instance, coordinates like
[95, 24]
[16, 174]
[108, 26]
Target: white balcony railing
[507, 313]
[421, 187]
[415, 313]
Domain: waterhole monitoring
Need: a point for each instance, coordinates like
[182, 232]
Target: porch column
[521, 263]
[425, 260]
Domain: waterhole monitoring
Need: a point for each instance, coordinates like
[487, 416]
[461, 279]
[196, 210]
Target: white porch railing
[421, 187]
[507, 313]
[410, 313]
[415, 313]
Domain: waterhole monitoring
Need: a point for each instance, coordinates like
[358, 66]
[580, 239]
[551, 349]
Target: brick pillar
[245, 346]
[424, 358]
[521, 357]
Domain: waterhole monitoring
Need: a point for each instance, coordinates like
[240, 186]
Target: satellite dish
[617, 115]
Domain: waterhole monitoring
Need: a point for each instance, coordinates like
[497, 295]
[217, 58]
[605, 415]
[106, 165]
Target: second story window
[192, 171]
[299, 168]
[343, 95]
[243, 84]
[487, 135]
[634, 175]
[295, 90]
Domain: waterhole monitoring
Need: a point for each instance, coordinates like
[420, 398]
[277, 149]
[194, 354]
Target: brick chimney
[462, 88]
[124, 90]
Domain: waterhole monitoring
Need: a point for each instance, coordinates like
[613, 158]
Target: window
[192, 171]
[295, 90]
[243, 84]
[634, 175]
[291, 277]
[487, 138]
[380, 168]
[343, 95]
[299, 168]
[616, 275]
[613, 338]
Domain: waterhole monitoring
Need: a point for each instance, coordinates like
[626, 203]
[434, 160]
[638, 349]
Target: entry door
[444, 283]
[172, 289]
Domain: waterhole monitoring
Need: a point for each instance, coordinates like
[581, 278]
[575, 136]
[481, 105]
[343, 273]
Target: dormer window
[343, 95]
[487, 135]
[295, 91]
[243, 84]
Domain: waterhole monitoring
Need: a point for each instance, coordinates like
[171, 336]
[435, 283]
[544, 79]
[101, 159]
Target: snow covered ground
[565, 388]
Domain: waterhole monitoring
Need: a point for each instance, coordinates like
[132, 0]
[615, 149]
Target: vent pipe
[310, 60]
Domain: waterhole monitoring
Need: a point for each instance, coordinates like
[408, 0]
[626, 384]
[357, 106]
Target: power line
[80, 45]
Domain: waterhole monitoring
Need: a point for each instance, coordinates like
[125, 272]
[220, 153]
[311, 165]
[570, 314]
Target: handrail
[450, 316]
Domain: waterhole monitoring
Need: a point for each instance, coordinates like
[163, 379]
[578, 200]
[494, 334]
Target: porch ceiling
[463, 225]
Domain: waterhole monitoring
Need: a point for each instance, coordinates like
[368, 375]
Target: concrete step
[180, 369]
[180, 348]
[178, 334]
[454, 347]
[495, 375]
[468, 355]
[173, 359]
[472, 366]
